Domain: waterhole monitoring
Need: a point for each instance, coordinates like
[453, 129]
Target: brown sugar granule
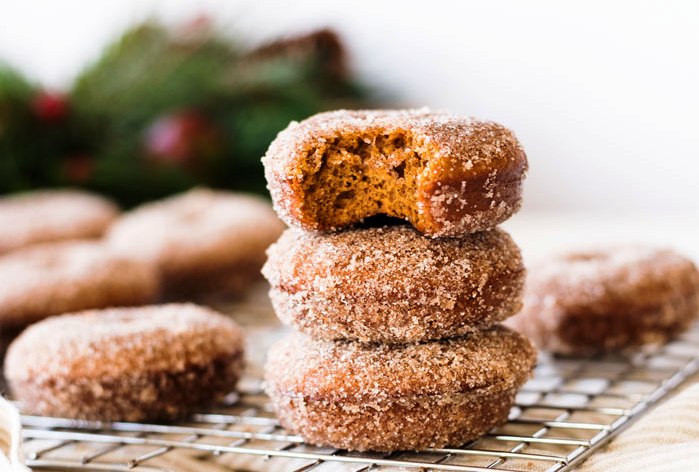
[402, 397]
[130, 364]
[447, 175]
[393, 285]
[608, 298]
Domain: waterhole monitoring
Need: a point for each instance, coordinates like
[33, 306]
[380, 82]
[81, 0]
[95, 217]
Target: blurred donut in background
[607, 299]
[52, 215]
[203, 242]
[55, 278]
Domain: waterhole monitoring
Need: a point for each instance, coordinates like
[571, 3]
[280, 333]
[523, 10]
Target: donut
[203, 242]
[382, 397]
[55, 278]
[446, 175]
[390, 284]
[125, 364]
[52, 215]
[609, 298]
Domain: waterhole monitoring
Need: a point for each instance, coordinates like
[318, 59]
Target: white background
[604, 95]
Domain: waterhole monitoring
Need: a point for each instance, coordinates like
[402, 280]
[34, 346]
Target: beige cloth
[664, 440]
[11, 458]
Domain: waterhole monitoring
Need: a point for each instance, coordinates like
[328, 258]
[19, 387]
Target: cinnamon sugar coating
[203, 242]
[607, 299]
[392, 285]
[54, 278]
[52, 215]
[401, 397]
[128, 364]
[447, 175]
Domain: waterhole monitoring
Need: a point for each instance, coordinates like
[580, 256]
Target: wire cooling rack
[568, 410]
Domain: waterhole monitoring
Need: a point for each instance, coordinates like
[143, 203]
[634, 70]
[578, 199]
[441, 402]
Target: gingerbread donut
[55, 278]
[52, 215]
[392, 285]
[203, 242]
[402, 397]
[125, 364]
[606, 299]
[447, 175]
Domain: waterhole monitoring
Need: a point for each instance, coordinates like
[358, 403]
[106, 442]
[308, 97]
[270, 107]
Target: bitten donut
[447, 175]
[390, 284]
[203, 241]
[125, 364]
[52, 215]
[403, 397]
[606, 299]
[55, 278]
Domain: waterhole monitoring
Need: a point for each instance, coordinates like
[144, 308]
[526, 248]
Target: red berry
[78, 168]
[198, 26]
[50, 106]
[182, 138]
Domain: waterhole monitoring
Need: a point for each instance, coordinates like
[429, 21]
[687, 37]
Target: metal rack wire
[565, 413]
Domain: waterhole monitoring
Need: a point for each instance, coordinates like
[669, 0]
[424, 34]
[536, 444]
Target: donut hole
[380, 221]
[356, 177]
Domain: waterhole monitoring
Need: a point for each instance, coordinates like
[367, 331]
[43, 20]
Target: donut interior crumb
[360, 175]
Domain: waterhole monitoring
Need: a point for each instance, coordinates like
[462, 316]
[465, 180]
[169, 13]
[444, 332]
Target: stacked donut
[398, 345]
